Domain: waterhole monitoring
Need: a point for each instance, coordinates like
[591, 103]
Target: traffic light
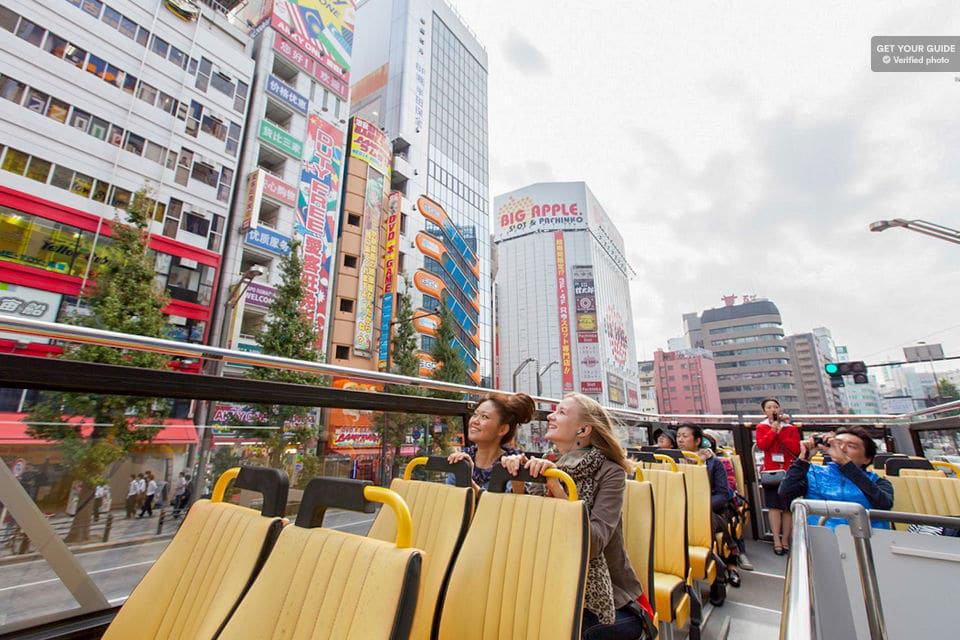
[836, 371]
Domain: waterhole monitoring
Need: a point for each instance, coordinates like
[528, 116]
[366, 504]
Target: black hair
[670, 433]
[697, 432]
[869, 446]
[763, 403]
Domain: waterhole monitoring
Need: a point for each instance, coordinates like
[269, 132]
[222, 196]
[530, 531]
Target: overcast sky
[743, 148]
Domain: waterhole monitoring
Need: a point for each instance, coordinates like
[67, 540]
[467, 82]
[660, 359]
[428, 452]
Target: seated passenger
[666, 438]
[844, 478]
[690, 438]
[492, 426]
[582, 432]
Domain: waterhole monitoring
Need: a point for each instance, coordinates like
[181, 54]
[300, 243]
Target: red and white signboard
[278, 190]
[563, 307]
[558, 206]
[311, 66]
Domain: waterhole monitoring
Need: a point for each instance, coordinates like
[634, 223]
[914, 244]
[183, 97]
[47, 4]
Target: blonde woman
[582, 432]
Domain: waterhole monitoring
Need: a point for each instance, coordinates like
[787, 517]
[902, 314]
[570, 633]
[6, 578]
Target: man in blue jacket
[844, 478]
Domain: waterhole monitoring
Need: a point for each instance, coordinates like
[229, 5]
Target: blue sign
[268, 240]
[280, 90]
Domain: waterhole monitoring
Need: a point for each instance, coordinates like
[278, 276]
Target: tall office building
[421, 75]
[648, 386]
[102, 99]
[813, 383]
[292, 168]
[563, 295]
[750, 355]
[686, 382]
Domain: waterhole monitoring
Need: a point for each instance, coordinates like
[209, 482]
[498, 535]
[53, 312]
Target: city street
[30, 589]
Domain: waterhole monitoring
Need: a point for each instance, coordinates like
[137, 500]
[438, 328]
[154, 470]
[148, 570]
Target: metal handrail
[797, 620]
[88, 335]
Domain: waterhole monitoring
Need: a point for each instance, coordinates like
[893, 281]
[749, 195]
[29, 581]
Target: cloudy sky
[743, 148]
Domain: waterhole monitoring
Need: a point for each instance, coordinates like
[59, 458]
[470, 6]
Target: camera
[819, 441]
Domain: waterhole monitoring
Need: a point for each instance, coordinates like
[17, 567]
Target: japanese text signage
[391, 248]
[351, 429]
[251, 208]
[268, 240]
[615, 389]
[318, 203]
[316, 70]
[369, 248]
[27, 302]
[589, 363]
[259, 295]
[322, 28]
[280, 139]
[282, 91]
[369, 144]
[278, 190]
[563, 307]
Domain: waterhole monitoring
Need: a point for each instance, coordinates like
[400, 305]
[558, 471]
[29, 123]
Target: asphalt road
[31, 589]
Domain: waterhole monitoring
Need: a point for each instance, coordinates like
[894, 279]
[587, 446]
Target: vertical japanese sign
[563, 306]
[391, 249]
[317, 206]
[369, 144]
[251, 210]
[588, 341]
[369, 248]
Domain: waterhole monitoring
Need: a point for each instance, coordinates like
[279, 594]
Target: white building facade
[563, 295]
[420, 74]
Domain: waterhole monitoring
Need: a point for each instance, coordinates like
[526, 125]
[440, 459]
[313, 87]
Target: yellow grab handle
[638, 471]
[940, 464]
[220, 489]
[413, 464]
[393, 500]
[662, 457]
[563, 477]
[690, 455]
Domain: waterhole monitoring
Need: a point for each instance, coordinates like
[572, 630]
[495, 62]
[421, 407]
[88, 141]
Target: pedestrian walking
[133, 490]
[151, 493]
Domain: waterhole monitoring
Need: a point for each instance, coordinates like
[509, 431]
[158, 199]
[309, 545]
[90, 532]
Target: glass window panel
[58, 110]
[192, 69]
[159, 46]
[167, 103]
[82, 185]
[100, 191]
[147, 93]
[171, 159]
[111, 17]
[128, 27]
[62, 177]
[129, 83]
[96, 65]
[195, 224]
[112, 75]
[178, 57]
[37, 101]
[205, 173]
[99, 128]
[11, 89]
[8, 19]
[54, 45]
[223, 84]
[32, 33]
[74, 55]
[80, 120]
[116, 135]
[15, 161]
[154, 152]
[134, 143]
[120, 198]
[143, 36]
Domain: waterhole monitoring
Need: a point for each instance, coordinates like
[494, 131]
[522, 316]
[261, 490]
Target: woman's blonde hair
[602, 435]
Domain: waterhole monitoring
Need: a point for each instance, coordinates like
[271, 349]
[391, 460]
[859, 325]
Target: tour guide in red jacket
[780, 443]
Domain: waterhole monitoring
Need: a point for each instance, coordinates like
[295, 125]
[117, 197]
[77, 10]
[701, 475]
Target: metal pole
[518, 370]
[798, 619]
[868, 580]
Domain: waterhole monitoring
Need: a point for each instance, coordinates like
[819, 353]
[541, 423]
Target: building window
[58, 110]
[143, 36]
[223, 84]
[31, 32]
[11, 89]
[203, 75]
[134, 143]
[178, 57]
[195, 224]
[240, 100]
[159, 46]
[349, 262]
[342, 352]
[147, 93]
[353, 220]
[55, 45]
[38, 169]
[205, 173]
[8, 19]
[346, 305]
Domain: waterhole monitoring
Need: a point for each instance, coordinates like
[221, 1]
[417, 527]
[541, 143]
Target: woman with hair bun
[491, 430]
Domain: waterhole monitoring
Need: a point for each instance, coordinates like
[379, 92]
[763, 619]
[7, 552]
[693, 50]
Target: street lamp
[920, 226]
[426, 314]
[540, 375]
[517, 371]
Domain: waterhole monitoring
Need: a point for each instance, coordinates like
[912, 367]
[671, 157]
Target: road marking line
[761, 573]
[89, 573]
[351, 524]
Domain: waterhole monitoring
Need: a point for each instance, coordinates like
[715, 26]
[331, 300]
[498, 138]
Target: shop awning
[13, 430]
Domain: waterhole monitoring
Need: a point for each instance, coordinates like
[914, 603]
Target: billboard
[317, 210]
[322, 28]
[30, 303]
[280, 139]
[349, 428]
[278, 190]
[557, 206]
[251, 209]
[563, 307]
[369, 144]
[633, 396]
[286, 94]
[316, 70]
[589, 362]
[390, 257]
[259, 295]
[615, 390]
[268, 240]
[369, 250]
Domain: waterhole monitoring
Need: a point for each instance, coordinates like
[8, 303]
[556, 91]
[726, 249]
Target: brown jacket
[606, 532]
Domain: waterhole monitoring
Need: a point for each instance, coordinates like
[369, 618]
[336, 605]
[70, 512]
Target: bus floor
[751, 612]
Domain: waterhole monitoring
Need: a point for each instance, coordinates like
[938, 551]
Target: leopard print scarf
[583, 465]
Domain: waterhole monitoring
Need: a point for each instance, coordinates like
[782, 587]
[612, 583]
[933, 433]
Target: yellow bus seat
[197, 581]
[700, 538]
[441, 515]
[522, 571]
[323, 584]
[671, 564]
[639, 518]
[932, 473]
[895, 465]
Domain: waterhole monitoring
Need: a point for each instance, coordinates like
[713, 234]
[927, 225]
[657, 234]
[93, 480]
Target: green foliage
[125, 299]
[223, 458]
[287, 334]
[948, 390]
[312, 468]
